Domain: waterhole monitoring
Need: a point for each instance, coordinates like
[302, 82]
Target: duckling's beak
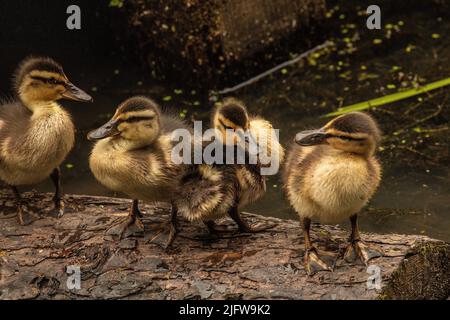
[74, 93]
[109, 129]
[311, 137]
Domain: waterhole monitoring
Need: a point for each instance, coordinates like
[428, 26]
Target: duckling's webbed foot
[24, 216]
[169, 228]
[317, 260]
[58, 210]
[244, 227]
[357, 248]
[131, 226]
[173, 231]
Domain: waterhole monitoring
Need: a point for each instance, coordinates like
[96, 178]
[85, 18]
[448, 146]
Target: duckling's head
[231, 119]
[135, 124]
[354, 132]
[39, 81]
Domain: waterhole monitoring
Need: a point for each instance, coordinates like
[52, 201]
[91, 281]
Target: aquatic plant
[390, 98]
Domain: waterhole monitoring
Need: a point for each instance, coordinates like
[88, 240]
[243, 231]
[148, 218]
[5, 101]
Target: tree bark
[34, 259]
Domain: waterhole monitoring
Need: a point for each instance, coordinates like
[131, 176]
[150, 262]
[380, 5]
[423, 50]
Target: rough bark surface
[34, 259]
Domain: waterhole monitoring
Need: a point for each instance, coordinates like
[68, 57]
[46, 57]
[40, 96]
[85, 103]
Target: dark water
[412, 199]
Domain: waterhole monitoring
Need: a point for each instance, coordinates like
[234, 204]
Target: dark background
[93, 58]
[39, 28]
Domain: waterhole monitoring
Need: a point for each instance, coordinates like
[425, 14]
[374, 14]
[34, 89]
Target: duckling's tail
[206, 192]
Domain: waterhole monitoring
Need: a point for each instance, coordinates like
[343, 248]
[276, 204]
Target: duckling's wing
[263, 131]
[170, 122]
[206, 192]
[14, 122]
[13, 112]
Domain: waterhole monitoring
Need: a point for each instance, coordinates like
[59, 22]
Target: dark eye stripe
[137, 119]
[39, 78]
[225, 126]
[48, 80]
[347, 138]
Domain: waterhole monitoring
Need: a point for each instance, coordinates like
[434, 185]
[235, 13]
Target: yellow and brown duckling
[133, 156]
[330, 174]
[211, 191]
[36, 133]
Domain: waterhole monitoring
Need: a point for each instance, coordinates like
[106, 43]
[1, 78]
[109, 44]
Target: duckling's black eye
[52, 81]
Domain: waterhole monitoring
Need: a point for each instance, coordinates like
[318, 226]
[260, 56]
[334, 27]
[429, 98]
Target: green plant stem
[390, 98]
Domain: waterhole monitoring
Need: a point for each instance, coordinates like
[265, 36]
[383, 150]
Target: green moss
[428, 264]
[432, 248]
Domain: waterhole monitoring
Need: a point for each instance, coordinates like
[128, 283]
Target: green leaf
[116, 3]
[410, 48]
[390, 98]
[377, 41]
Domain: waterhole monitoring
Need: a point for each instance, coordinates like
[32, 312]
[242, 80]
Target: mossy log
[34, 259]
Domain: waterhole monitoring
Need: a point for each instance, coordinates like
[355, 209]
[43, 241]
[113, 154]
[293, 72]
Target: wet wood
[34, 259]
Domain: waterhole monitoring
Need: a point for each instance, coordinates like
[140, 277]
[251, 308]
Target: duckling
[36, 133]
[330, 174]
[210, 191]
[133, 155]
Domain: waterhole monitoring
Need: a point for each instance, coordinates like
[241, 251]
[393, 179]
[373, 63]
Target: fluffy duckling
[330, 174]
[210, 191]
[133, 156]
[36, 133]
